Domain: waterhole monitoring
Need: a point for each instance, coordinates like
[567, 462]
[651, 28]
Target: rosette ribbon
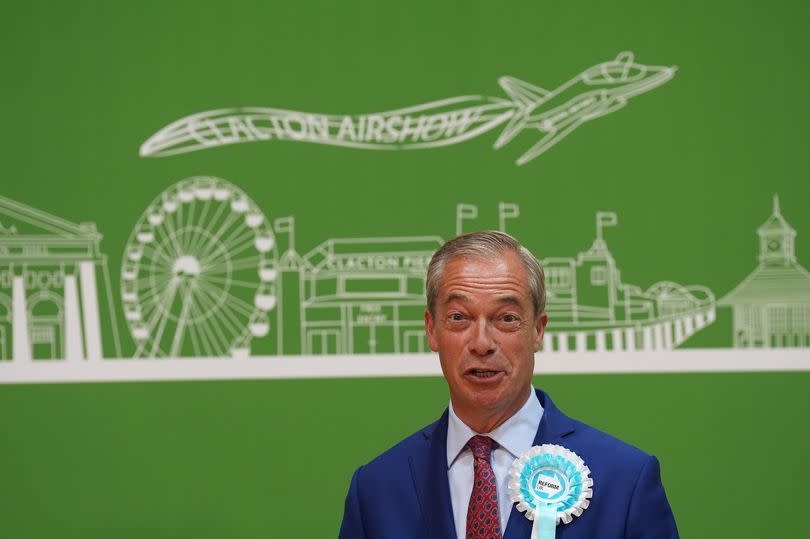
[550, 484]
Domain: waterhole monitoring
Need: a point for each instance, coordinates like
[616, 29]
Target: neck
[484, 421]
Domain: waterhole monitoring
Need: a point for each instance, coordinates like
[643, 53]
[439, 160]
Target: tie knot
[481, 446]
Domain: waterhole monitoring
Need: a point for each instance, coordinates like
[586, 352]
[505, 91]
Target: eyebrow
[458, 296]
[509, 299]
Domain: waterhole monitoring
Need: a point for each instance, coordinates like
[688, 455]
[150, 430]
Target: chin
[491, 398]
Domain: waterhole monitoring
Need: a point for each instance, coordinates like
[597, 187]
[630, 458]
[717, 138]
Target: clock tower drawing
[776, 239]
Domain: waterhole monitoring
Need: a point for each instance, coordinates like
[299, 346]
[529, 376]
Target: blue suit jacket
[404, 493]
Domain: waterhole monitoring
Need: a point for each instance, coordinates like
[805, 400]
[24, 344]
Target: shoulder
[399, 455]
[611, 460]
[593, 440]
[590, 443]
[616, 466]
[384, 493]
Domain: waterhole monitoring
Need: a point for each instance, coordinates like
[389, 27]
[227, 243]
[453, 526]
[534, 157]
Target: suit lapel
[429, 472]
[554, 425]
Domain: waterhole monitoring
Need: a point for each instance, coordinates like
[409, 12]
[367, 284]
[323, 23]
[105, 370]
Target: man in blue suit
[486, 317]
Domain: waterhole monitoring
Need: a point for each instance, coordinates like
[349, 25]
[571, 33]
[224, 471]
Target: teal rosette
[551, 484]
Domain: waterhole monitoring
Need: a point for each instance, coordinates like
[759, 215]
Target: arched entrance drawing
[45, 315]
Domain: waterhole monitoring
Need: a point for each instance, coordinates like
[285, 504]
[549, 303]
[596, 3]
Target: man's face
[486, 334]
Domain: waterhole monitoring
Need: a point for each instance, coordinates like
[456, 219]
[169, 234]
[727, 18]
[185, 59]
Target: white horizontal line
[388, 365]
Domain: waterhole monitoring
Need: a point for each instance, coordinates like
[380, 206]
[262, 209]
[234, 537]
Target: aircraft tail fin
[522, 92]
[526, 96]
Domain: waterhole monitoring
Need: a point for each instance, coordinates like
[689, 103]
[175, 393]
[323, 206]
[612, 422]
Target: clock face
[774, 245]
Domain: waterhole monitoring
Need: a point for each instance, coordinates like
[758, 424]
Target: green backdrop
[690, 168]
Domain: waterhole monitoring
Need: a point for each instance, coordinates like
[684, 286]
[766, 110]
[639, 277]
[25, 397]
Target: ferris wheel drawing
[199, 272]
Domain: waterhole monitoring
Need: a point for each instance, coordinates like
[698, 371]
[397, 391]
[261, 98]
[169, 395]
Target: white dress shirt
[514, 436]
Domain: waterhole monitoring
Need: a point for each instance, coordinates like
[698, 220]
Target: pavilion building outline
[54, 288]
[771, 306]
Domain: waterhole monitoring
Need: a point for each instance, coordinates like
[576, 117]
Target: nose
[482, 343]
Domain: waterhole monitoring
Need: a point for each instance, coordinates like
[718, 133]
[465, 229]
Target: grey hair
[485, 245]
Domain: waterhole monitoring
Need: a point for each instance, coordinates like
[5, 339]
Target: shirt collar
[515, 435]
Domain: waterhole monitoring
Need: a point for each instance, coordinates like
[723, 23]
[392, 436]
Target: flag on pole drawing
[507, 210]
[463, 212]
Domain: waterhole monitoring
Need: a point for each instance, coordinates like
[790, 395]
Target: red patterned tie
[483, 520]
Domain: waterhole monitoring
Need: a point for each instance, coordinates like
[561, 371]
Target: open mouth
[482, 374]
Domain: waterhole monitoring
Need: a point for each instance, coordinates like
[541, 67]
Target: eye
[456, 320]
[509, 322]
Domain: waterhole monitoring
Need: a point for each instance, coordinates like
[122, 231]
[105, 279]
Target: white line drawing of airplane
[596, 92]
[599, 90]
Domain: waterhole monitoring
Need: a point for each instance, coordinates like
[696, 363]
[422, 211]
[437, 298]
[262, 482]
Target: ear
[540, 329]
[430, 329]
